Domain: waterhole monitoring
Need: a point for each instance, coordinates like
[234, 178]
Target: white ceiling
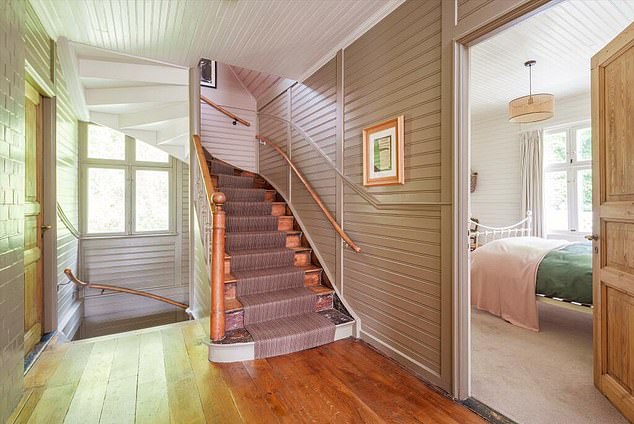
[280, 37]
[144, 99]
[562, 39]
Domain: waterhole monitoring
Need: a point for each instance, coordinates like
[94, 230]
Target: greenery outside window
[127, 185]
[568, 180]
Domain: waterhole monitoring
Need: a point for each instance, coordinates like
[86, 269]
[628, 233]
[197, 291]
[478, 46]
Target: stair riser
[285, 223]
[311, 279]
[278, 209]
[235, 319]
[257, 183]
[301, 259]
[293, 240]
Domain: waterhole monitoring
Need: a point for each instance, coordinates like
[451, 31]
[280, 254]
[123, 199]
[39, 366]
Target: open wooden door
[33, 279]
[613, 265]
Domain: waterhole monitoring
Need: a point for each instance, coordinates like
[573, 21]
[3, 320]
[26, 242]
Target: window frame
[571, 167]
[130, 166]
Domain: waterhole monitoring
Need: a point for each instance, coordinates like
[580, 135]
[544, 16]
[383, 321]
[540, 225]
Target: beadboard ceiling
[280, 37]
[562, 39]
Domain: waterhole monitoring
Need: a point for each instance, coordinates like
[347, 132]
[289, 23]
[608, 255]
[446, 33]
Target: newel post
[218, 268]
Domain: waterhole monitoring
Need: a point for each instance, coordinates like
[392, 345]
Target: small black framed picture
[208, 73]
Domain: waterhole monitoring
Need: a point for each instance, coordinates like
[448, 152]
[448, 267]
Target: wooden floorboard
[163, 376]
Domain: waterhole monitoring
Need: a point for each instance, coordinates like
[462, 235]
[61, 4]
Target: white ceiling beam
[151, 74]
[133, 95]
[69, 65]
[110, 120]
[154, 116]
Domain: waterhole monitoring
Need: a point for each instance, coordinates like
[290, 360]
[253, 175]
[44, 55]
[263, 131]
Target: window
[127, 185]
[568, 179]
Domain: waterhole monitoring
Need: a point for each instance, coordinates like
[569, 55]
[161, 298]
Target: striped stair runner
[278, 308]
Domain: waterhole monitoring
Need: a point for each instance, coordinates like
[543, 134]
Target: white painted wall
[495, 156]
[232, 143]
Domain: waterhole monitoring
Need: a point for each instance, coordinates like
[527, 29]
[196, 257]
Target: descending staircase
[277, 299]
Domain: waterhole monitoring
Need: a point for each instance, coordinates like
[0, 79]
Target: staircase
[277, 299]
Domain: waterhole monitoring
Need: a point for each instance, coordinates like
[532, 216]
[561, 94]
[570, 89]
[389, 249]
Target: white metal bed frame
[522, 228]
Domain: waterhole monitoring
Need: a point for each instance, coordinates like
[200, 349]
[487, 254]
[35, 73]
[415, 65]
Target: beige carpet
[543, 377]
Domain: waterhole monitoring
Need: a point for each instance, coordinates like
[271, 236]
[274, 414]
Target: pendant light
[534, 107]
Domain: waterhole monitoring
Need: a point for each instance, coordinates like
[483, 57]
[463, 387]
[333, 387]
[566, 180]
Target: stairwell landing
[275, 299]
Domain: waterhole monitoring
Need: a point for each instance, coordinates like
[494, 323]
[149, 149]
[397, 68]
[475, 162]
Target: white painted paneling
[232, 143]
[562, 39]
[495, 156]
[252, 34]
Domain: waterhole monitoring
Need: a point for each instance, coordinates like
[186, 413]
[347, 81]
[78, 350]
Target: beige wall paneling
[477, 21]
[271, 165]
[232, 143]
[394, 284]
[314, 110]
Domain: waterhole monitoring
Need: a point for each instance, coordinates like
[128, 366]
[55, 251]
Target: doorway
[33, 224]
[463, 98]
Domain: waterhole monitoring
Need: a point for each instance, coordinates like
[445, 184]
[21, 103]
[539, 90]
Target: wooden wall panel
[394, 284]
[469, 7]
[232, 143]
[314, 109]
[235, 144]
[271, 165]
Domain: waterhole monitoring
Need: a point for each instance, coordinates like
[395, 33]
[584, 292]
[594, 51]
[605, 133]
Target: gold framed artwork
[384, 153]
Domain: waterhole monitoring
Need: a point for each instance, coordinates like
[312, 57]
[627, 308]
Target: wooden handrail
[77, 281]
[313, 194]
[221, 109]
[216, 200]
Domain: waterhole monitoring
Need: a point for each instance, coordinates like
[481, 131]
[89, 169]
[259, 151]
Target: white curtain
[531, 169]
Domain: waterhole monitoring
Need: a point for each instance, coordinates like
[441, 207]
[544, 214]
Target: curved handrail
[77, 281]
[221, 109]
[359, 190]
[69, 225]
[313, 194]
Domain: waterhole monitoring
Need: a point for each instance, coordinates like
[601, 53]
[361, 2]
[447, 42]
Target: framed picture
[384, 153]
[208, 73]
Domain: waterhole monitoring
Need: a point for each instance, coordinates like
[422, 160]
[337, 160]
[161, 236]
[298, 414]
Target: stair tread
[230, 278]
[300, 249]
[234, 305]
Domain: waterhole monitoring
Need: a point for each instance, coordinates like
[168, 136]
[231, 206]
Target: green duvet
[566, 273]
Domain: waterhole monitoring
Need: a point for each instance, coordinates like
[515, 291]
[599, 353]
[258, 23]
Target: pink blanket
[503, 276]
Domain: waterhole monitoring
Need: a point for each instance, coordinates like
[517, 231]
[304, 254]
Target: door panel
[33, 280]
[613, 205]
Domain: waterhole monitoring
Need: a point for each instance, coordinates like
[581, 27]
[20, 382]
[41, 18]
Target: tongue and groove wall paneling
[314, 109]
[394, 284]
[272, 166]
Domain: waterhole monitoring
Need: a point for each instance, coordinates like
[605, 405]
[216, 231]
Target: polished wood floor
[162, 375]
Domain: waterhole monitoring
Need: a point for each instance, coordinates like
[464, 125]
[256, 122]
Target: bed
[511, 271]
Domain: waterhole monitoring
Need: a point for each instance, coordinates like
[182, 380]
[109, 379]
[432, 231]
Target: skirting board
[411, 364]
[237, 352]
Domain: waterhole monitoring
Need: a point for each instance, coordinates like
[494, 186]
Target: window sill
[127, 236]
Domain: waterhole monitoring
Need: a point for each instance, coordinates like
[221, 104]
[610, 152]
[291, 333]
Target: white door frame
[461, 144]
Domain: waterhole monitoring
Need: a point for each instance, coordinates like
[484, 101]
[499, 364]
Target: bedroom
[531, 210]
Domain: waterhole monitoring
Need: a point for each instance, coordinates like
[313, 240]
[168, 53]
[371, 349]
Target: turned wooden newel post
[218, 268]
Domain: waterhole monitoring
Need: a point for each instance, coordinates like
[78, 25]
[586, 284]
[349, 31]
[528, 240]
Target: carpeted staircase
[272, 288]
